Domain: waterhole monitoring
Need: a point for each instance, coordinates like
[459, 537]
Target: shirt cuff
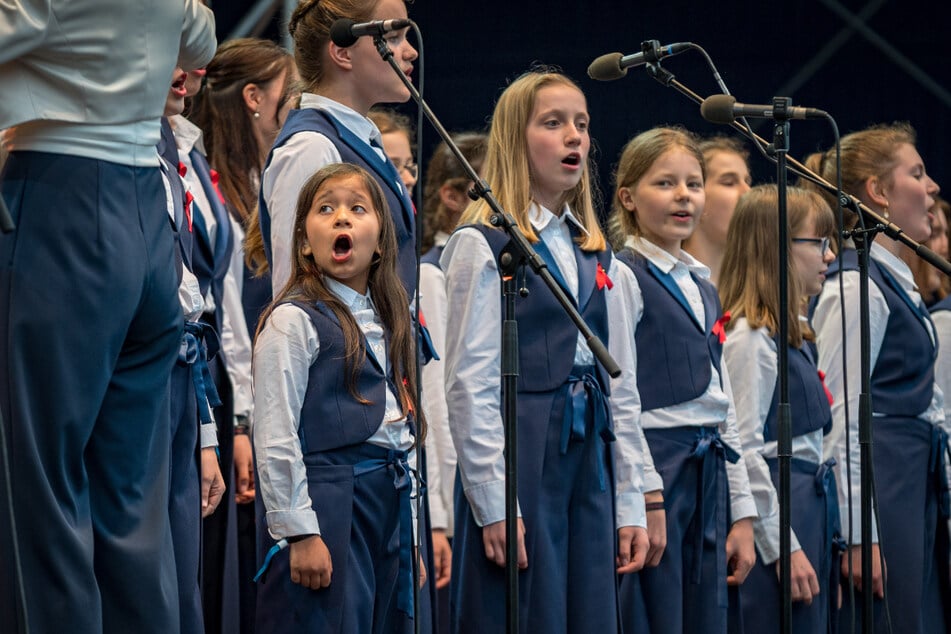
[631, 510]
[766, 536]
[742, 508]
[653, 482]
[208, 435]
[488, 502]
[283, 524]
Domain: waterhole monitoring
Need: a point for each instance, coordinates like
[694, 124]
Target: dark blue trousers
[184, 504]
[908, 461]
[360, 524]
[815, 522]
[89, 330]
[687, 591]
[570, 583]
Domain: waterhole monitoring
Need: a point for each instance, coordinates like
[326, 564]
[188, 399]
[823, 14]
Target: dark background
[473, 49]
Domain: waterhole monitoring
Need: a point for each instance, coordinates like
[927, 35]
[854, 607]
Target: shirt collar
[187, 135]
[664, 260]
[541, 217]
[350, 118]
[440, 239]
[355, 301]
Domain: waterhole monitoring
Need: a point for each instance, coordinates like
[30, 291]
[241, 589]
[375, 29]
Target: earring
[885, 212]
[256, 115]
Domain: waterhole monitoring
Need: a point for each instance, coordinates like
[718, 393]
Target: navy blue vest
[903, 376]
[944, 304]
[548, 338]
[211, 264]
[168, 152]
[808, 403]
[330, 417]
[354, 150]
[432, 257]
[674, 353]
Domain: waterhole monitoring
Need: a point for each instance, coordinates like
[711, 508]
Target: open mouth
[343, 245]
[178, 86]
[572, 160]
[682, 215]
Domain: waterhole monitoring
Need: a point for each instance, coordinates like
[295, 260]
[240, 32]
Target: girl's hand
[493, 538]
[442, 558]
[243, 469]
[878, 574]
[422, 569]
[633, 544]
[805, 584]
[740, 551]
[656, 529]
[212, 482]
[311, 566]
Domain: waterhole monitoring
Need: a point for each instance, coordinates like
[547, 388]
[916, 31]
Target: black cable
[420, 525]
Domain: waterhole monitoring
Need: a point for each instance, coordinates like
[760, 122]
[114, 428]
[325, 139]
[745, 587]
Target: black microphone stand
[780, 149]
[874, 224]
[519, 252]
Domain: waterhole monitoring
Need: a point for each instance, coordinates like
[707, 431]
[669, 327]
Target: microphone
[345, 32]
[725, 109]
[614, 65]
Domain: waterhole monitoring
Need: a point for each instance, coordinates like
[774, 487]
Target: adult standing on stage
[90, 324]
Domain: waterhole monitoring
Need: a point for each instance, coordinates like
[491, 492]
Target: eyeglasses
[822, 243]
[410, 167]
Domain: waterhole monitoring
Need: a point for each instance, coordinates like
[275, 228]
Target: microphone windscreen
[718, 108]
[341, 33]
[607, 68]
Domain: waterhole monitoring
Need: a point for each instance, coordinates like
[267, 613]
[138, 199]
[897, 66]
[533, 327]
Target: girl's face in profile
[668, 199]
[343, 231]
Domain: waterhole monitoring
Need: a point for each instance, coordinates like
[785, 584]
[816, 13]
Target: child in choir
[396, 134]
[749, 284]
[195, 478]
[341, 84]
[727, 178]
[882, 168]
[687, 414]
[580, 475]
[445, 197]
[335, 379]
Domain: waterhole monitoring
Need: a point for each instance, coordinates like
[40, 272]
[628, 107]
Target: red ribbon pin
[822, 379]
[601, 278]
[214, 183]
[719, 328]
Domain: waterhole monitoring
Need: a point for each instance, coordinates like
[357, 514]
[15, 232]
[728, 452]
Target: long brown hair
[307, 284]
[749, 279]
[444, 169]
[219, 110]
[507, 166]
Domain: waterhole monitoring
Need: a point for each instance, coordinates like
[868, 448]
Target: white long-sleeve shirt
[90, 78]
[284, 352]
[751, 359]
[473, 375]
[827, 323]
[713, 408]
[440, 454]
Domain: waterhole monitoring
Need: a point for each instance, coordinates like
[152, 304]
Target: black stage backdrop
[863, 61]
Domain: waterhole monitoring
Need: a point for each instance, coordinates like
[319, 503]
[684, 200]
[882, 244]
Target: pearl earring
[257, 115]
